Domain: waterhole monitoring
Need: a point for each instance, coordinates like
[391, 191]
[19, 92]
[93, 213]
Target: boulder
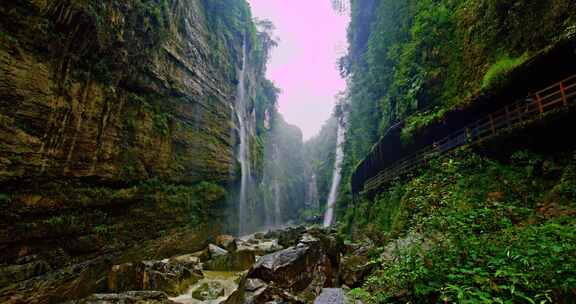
[242, 260]
[331, 296]
[257, 291]
[226, 242]
[303, 269]
[259, 246]
[203, 255]
[356, 265]
[219, 259]
[130, 297]
[170, 275]
[216, 251]
[17, 273]
[127, 276]
[189, 261]
[287, 237]
[209, 291]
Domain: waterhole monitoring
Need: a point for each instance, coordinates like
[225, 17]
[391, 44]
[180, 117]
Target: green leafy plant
[497, 73]
[472, 233]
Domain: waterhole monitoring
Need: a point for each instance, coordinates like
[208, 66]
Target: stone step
[331, 296]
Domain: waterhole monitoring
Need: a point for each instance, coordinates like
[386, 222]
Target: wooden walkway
[557, 96]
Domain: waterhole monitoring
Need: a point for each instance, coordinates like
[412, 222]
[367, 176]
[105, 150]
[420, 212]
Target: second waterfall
[336, 175]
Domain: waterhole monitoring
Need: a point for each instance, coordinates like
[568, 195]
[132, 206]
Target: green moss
[5, 199]
[196, 202]
[162, 123]
[419, 121]
[496, 74]
[432, 56]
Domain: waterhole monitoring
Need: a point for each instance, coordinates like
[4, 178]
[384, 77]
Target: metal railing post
[563, 92]
[539, 101]
[492, 124]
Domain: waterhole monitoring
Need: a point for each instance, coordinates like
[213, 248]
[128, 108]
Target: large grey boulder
[301, 270]
[169, 275]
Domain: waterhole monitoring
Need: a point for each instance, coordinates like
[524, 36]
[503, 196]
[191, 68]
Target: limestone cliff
[116, 126]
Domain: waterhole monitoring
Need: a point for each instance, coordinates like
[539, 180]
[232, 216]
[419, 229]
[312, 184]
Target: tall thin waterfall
[312, 200]
[244, 149]
[336, 175]
[277, 210]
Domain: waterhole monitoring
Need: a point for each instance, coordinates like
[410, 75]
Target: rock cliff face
[116, 127]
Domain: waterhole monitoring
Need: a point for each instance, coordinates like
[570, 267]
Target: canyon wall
[117, 128]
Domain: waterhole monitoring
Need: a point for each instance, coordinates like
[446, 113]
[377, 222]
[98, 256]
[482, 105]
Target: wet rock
[259, 247]
[126, 276]
[16, 273]
[332, 244]
[242, 260]
[209, 291]
[256, 292]
[130, 297]
[226, 242]
[296, 274]
[331, 296]
[303, 269]
[219, 259]
[287, 237]
[222, 260]
[170, 275]
[203, 255]
[189, 261]
[254, 284]
[216, 251]
[356, 265]
[70, 282]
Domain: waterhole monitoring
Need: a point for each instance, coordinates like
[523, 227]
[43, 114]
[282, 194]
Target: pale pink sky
[312, 38]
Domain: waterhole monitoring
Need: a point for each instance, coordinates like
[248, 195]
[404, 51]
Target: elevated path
[393, 155]
[561, 95]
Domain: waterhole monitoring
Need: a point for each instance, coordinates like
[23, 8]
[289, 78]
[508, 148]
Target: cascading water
[277, 210]
[244, 149]
[312, 200]
[336, 175]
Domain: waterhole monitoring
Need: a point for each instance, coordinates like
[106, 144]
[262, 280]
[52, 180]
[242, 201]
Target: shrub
[498, 72]
[480, 235]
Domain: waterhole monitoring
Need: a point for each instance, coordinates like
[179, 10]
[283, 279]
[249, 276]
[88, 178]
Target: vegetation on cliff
[116, 129]
[475, 230]
[427, 57]
[469, 228]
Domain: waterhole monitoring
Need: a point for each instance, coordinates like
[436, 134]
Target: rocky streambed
[294, 265]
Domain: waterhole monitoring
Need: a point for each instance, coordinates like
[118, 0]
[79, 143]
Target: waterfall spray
[336, 175]
[244, 149]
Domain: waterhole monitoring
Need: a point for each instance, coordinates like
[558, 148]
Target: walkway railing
[559, 95]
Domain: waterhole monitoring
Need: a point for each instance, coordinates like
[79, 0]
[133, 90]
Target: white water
[277, 210]
[226, 279]
[244, 149]
[336, 176]
[312, 194]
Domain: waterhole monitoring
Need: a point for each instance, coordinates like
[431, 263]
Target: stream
[215, 288]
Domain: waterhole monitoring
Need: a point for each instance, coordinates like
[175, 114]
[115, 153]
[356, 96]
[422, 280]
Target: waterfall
[330, 204]
[277, 212]
[244, 149]
[312, 194]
